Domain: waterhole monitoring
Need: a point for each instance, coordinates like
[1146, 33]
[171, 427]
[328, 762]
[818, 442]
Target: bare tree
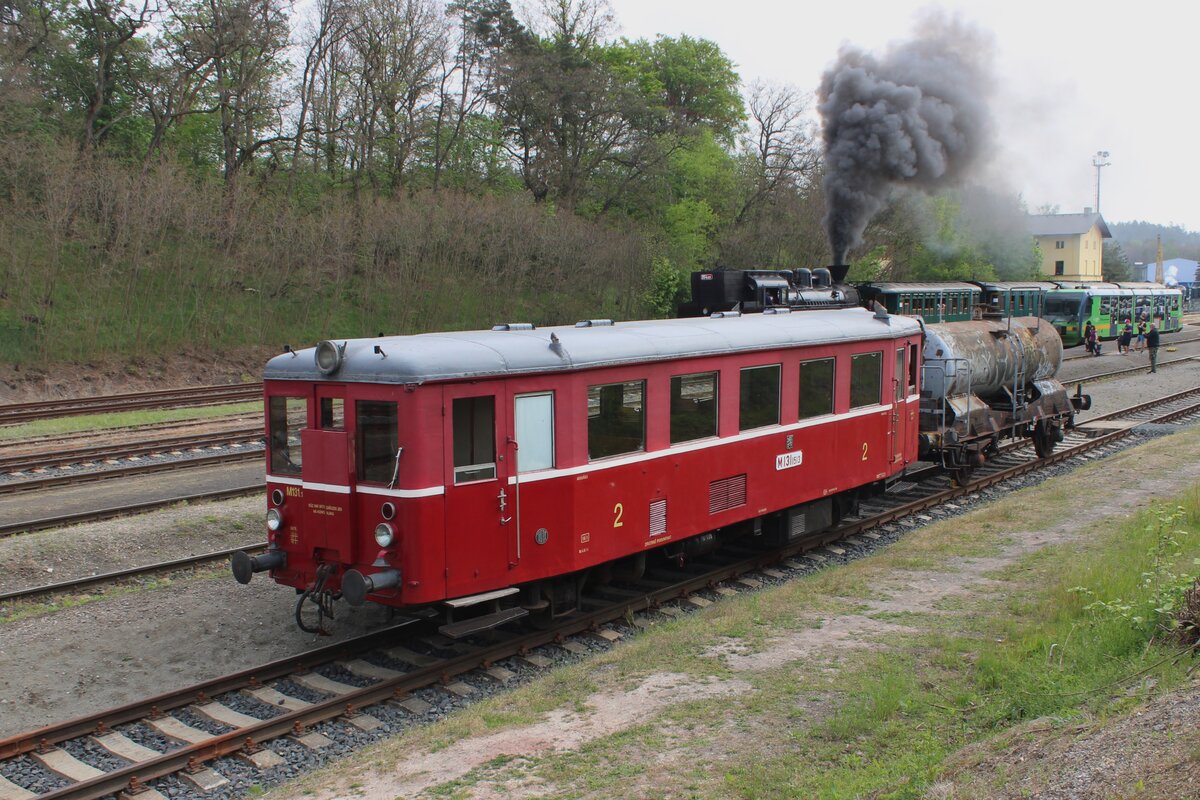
[247, 40]
[398, 47]
[783, 151]
[180, 74]
[333, 22]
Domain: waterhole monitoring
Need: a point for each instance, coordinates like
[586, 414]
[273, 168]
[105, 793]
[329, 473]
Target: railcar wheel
[1044, 439]
[962, 475]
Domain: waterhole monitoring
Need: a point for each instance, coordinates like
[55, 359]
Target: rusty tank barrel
[984, 357]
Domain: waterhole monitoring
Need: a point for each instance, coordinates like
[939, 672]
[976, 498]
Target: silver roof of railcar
[478, 354]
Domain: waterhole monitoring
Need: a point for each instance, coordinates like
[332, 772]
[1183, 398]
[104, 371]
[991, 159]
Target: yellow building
[1072, 244]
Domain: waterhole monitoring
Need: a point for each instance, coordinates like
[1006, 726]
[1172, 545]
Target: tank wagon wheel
[962, 475]
[1044, 439]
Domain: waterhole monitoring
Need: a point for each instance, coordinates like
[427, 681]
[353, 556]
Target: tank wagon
[491, 475]
[989, 380]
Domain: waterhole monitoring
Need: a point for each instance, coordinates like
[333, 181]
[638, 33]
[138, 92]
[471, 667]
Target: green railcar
[1013, 299]
[947, 301]
[1109, 306]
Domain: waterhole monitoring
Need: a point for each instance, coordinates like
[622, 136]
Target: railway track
[86, 456]
[353, 681]
[187, 563]
[104, 404]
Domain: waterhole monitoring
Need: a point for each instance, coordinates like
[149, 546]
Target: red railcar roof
[457, 355]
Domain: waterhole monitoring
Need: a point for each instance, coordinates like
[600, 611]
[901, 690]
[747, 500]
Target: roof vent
[724, 314]
[777, 310]
[514, 326]
[594, 323]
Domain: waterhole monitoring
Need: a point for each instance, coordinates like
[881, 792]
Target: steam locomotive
[494, 475]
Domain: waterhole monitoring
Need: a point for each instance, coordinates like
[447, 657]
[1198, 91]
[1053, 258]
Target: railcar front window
[288, 416]
[377, 432]
[1063, 306]
[333, 415]
[693, 407]
[616, 419]
[866, 371]
[474, 439]
[816, 387]
[760, 397]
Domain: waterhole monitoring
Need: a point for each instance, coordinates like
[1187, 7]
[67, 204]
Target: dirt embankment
[33, 382]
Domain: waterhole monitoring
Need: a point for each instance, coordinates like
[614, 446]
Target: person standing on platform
[1152, 346]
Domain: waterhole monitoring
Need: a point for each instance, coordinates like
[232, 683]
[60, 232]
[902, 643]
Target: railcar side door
[899, 407]
[328, 470]
[480, 505]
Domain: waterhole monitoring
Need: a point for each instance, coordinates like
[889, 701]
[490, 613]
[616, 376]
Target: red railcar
[500, 470]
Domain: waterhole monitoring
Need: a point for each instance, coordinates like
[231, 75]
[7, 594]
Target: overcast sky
[1073, 78]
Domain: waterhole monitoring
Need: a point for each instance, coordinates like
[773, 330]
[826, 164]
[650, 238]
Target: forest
[215, 173]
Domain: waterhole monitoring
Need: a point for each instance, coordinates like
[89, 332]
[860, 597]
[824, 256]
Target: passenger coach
[493, 472]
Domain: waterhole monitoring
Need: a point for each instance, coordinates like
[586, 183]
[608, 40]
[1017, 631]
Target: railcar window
[759, 397]
[288, 416]
[616, 419]
[866, 371]
[376, 424]
[533, 421]
[333, 414]
[693, 407]
[816, 387]
[898, 382]
[913, 353]
[474, 439]
[1062, 306]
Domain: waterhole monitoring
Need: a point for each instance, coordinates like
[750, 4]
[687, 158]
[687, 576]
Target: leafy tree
[691, 79]
[1116, 265]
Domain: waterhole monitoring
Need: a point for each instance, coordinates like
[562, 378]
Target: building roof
[479, 354]
[1066, 224]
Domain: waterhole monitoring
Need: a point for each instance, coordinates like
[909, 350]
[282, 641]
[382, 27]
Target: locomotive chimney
[838, 272]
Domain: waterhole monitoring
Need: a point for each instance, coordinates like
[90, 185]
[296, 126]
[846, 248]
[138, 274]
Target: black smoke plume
[916, 117]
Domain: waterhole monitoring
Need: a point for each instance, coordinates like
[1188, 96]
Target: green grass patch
[122, 419]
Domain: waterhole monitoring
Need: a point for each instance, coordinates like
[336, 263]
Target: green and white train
[1071, 306]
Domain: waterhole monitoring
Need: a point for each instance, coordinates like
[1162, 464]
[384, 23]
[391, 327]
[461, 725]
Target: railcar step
[457, 630]
[476, 599]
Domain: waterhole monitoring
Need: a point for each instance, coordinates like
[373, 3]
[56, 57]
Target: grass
[122, 419]
[1041, 637]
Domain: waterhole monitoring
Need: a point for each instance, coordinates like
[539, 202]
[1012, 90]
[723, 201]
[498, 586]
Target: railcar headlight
[274, 519]
[329, 357]
[385, 534]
